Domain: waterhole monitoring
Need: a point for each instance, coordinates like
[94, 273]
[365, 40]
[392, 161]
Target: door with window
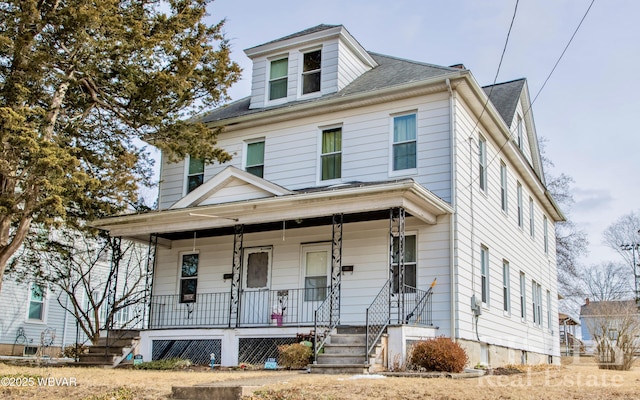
[256, 282]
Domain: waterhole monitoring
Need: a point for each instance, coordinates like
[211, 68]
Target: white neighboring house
[357, 179]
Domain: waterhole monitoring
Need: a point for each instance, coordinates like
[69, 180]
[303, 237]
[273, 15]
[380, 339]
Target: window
[316, 267]
[410, 263]
[504, 201]
[36, 303]
[523, 296]
[506, 290]
[404, 142]
[482, 163]
[536, 302]
[331, 156]
[549, 310]
[188, 277]
[255, 158]
[195, 174]
[545, 225]
[484, 274]
[532, 229]
[520, 213]
[257, 262]
[311, 71]
[519, 132]
[278, 78]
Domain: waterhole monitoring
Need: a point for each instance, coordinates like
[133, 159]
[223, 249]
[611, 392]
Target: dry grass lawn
[574, 381]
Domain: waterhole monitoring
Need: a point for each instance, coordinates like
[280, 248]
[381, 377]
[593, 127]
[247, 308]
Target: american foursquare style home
[371, 202]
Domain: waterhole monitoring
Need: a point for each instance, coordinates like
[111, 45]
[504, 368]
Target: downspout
[453, 217]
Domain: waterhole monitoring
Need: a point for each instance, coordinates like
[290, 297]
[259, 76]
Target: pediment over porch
[230, 185]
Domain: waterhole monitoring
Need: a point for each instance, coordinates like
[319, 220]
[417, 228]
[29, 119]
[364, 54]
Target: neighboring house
[570, 335]
[357, 179]
[608, 319]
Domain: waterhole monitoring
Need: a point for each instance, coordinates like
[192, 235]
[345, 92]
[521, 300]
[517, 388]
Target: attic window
[278, 79]
[311, 72]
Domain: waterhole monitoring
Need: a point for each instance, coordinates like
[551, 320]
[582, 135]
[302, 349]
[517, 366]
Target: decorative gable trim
[208, 189]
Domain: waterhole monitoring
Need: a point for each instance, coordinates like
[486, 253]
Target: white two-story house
[365, 191]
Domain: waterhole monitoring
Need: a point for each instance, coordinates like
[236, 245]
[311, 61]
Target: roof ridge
[373, 53]
[505, 83]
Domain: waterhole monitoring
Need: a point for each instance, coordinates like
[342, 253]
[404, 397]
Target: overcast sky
[586, 111]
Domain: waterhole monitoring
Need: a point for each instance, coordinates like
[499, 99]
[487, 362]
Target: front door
[256, 282]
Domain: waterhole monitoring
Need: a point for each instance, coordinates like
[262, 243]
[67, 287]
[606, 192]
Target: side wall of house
[366, 148]
[481, 222]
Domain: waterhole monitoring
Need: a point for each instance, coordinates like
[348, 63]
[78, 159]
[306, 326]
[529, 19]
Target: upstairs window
[520, 213]
[255, 158]
[278, 79]
[404, 142]
[532, 226]
[331, 156]
[504, 201]
[519, 132]
[189, 277]
[482, 163]
[36, 303]
[195, 174]
[545, 225]
[311, 71]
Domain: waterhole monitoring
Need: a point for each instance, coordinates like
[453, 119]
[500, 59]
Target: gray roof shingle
[307, 31]
[505, 96]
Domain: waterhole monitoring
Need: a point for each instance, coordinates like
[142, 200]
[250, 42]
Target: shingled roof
[505, 96]
[391, 71]
[307, 31]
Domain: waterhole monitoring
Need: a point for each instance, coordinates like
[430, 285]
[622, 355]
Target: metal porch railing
[326, 319]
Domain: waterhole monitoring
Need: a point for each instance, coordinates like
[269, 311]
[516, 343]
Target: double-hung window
[506, 287]
[484, 274]
[188, 277]
[331, 155]
[504, 201]
[520, 213]
[523, 296]
[317, 260]
[255, 158]
[311, 63]
[278, 78]
[410, 263]
[545, 226]
[536, 302]
[532, 229]
[549, 310]
[404, 142]
[195, 174]
[519, 131]
[482, 163]
[36, 303]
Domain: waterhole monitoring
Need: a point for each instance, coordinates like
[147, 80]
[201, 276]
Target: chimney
[586, 301]
[457, 66]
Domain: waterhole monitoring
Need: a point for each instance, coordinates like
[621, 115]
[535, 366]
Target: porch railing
[378, 316]
[209, 309]
[326, 319]
[419, 304]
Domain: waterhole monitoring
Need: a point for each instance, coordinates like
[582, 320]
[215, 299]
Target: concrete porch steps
[110, 352]
[344, 353]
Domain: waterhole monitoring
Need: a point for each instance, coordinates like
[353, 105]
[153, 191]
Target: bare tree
[623, 237]
[615, 328]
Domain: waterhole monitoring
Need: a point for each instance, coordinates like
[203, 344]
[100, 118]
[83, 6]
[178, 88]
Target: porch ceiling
[366, 202]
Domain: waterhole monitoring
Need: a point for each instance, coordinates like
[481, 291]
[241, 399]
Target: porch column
[396, 256]
[148, 283]
[234, 303]
[112, 283]
[336, 266]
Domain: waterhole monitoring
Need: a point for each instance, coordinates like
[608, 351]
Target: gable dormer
[308, 64]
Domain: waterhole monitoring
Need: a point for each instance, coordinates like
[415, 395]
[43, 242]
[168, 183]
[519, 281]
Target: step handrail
[378, 317]
[326, 318]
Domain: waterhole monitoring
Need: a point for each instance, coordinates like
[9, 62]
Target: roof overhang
[414, 198]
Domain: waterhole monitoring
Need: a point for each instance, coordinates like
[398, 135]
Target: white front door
[256, 282]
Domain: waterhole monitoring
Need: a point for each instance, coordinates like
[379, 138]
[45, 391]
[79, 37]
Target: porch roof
[361, 201]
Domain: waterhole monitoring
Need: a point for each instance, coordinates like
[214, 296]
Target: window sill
[403, 172]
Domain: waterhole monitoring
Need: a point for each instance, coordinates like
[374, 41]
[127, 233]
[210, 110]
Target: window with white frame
[278, 78]
[195, 174]
[545, 226]
[549, 326]
[519, 131]
[520, 211]
[331, 154]
[410, 263]
[317, 263]
[506, 286]
[189, 277]
[536, 302]
[532, 226]
[484, 274]
[523, 296]
[311, 63]
[504, 201]
[255, 158]
[404, 142]
[36, 303]
[482, 163]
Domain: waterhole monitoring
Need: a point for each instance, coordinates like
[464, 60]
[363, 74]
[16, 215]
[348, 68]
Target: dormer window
[311, 72]
[278, 79]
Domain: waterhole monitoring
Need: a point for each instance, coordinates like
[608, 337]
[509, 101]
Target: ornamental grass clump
[439, 354]
[294, 356]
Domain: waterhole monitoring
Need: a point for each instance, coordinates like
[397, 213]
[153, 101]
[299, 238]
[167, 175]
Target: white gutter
[452, 217]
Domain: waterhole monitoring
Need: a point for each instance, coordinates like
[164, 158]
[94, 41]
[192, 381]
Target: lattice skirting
[256, 350]
[198, 351]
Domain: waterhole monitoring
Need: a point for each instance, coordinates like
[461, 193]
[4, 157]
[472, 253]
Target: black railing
[209, 309]
[419, 304]
[280, 307]
[326, 318]
[378, 316]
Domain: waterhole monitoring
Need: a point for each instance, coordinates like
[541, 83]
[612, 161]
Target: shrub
[166, 364]
[71, 352]
[294, 356]
[439, 354]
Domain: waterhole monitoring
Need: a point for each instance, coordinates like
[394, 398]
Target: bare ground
[574, 381]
